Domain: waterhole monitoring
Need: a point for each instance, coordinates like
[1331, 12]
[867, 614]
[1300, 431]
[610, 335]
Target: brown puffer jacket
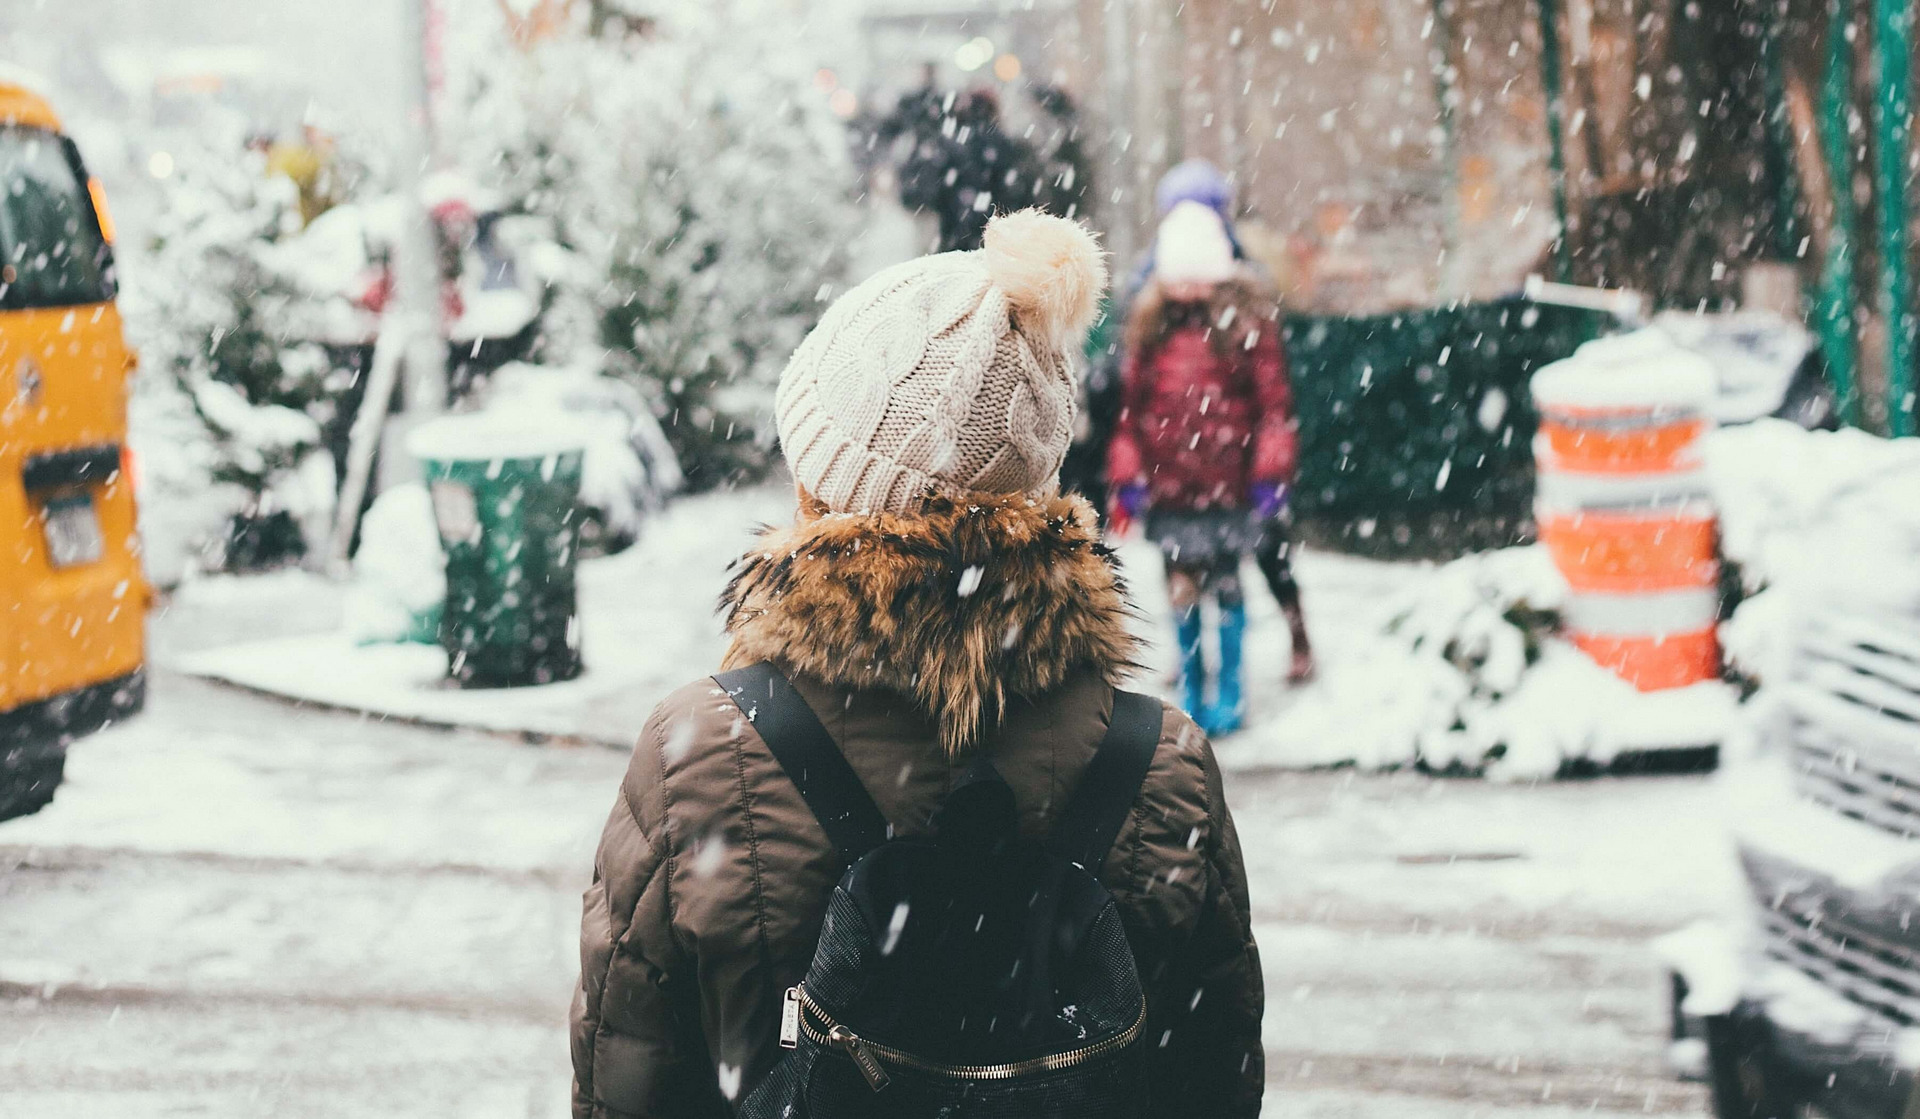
[917, 641]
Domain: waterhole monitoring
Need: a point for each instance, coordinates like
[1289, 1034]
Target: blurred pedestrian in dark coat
[1066, 173]
[991, 172]
[922, 118]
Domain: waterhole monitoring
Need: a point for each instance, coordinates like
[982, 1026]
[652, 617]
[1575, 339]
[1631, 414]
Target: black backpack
[970, 974]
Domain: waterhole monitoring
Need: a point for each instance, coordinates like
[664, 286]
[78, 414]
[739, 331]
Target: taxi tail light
[100, 211]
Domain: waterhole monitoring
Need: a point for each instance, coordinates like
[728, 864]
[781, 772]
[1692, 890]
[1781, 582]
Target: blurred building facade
[1404, 153]
[1382, 155]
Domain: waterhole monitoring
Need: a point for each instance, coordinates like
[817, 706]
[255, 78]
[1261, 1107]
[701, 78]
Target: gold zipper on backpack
[867, 1055]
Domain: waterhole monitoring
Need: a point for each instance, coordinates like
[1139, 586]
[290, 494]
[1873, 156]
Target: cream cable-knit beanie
[947, 373]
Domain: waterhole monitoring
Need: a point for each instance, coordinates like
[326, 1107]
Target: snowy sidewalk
[1387, 695]
[341, 916]
[648, 626]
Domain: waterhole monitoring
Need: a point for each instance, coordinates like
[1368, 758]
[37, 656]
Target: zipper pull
[848, 1042]
[790, 1019]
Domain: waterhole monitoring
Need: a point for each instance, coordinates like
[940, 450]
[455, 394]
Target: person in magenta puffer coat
[1206, 442]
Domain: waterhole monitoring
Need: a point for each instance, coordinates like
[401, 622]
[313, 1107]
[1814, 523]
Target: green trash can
[505, 498]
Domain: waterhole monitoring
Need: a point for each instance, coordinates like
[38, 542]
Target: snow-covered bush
[1451, 648]
[1467, 674]
[233, 386]
[700, 189]
[399, 571]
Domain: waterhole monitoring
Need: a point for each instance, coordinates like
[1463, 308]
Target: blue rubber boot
[1193, 666]
[1229, 705]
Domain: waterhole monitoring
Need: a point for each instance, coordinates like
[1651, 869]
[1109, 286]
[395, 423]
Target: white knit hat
[948, 373]
[1192, 246]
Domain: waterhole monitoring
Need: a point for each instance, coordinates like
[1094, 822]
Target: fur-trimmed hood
[959, 606]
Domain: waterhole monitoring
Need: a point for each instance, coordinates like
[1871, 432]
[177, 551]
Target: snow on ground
[345, 916]
[348, 915]
[647, 626]
[1418, 662]
[208, 771]
[236, 907]
[1451, 666]
[1434, 669]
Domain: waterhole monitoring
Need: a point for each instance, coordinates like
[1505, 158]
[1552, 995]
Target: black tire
[1747, 1082]
[27, 782]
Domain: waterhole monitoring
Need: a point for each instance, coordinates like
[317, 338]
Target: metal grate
[1854, 779]
[1856, 721]
[1868, 972]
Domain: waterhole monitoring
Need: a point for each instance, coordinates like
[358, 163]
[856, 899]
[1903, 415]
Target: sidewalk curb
[528, 736]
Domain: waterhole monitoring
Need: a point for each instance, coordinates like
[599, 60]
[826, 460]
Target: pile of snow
[1643, 370]
[399, 571]
[1812, 517]
[1786, 494]
[1568, 708]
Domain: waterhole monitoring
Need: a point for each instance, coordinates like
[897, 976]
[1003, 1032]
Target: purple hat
[1194, 180]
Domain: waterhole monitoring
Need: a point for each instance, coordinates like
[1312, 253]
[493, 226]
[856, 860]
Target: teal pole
[1838, 338]
[1556, 136]
[1893, 120]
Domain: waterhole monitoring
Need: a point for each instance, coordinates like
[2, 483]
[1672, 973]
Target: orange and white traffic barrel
[1624, 509]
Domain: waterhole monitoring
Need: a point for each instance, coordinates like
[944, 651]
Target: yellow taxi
[72, 597]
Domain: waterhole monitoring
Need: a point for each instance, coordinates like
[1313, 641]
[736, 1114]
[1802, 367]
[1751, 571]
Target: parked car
[72, 597]
[1809, 1001]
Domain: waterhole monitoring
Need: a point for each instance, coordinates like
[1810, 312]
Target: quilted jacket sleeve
[638, 1049]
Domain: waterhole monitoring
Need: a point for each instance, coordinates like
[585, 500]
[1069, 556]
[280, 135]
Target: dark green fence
[1416, 428]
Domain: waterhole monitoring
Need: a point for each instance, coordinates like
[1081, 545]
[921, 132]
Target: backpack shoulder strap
[1091, 820]
[807, 753]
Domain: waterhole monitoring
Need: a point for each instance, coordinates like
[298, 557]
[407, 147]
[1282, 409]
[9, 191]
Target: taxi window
[51, 250]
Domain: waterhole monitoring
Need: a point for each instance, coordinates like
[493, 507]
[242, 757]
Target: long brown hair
[1238, 310]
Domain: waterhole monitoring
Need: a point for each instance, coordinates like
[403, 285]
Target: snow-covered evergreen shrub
[700, 188]
[225, 340]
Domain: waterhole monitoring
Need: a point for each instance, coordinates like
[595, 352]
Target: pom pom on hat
[1051, 270]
